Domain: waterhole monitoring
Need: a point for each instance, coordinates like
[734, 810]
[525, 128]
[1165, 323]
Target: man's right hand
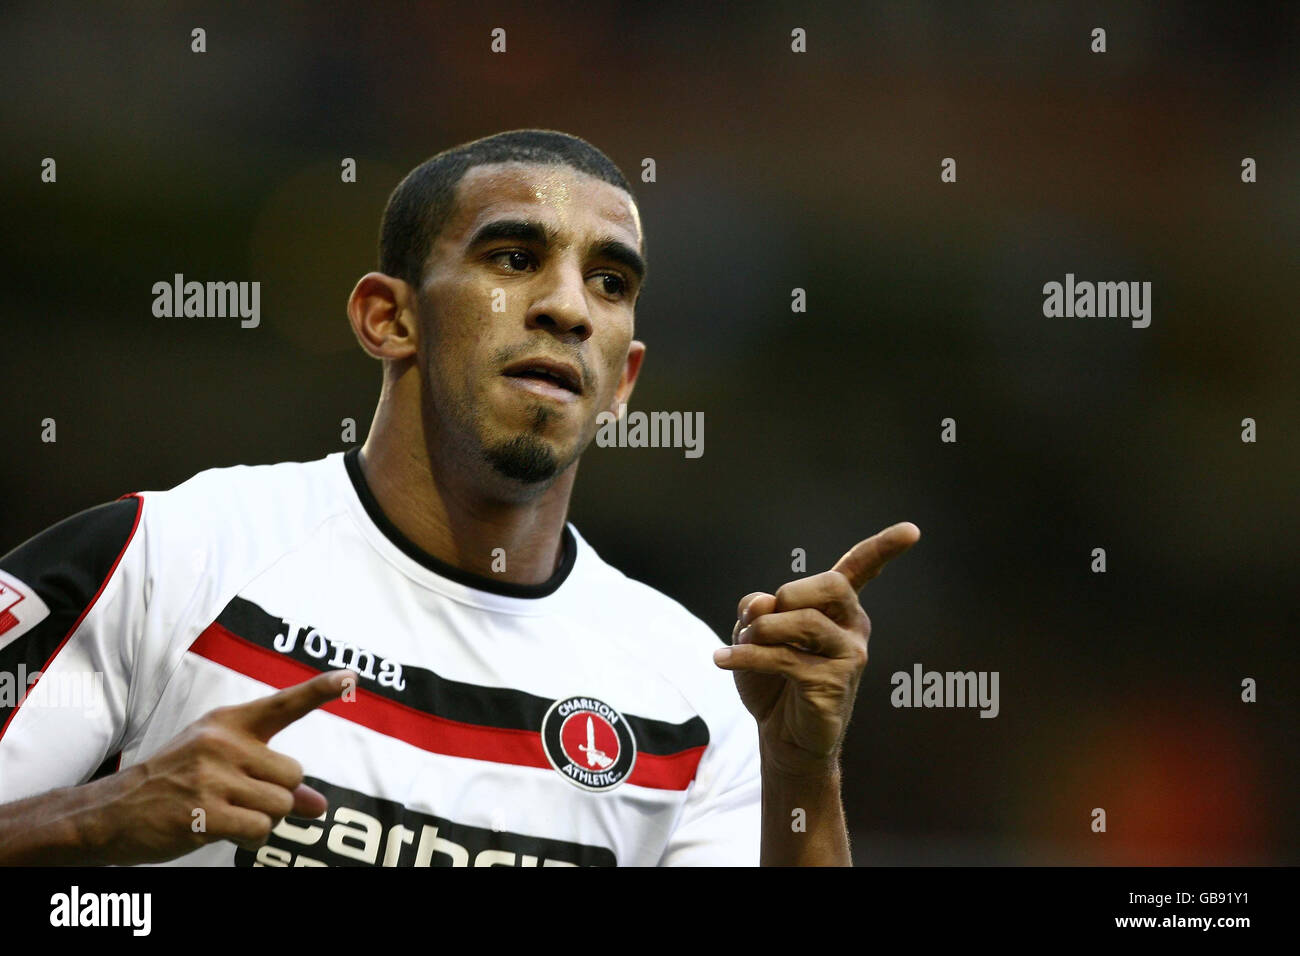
[221, 765]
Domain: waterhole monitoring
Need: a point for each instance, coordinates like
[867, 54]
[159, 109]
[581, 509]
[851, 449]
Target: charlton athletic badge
[588, 742]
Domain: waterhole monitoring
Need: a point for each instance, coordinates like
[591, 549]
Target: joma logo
[345, 654]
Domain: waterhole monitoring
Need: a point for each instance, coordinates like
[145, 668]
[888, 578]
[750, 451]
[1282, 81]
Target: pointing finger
[267, 716]
[868, 558]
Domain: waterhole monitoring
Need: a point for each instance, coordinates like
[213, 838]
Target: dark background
[775, 170]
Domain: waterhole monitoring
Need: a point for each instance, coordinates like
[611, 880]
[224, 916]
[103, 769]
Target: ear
[383, 316]
[631, 369]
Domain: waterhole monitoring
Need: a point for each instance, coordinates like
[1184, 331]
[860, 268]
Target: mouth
[546, 377]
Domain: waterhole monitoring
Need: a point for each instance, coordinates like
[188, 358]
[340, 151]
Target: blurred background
[775, 170]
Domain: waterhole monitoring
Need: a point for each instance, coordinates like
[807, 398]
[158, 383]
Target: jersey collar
[470, 580]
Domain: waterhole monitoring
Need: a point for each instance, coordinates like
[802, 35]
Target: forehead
[565, 197]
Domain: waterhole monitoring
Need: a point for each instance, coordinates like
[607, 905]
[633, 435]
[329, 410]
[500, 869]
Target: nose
[561, 304]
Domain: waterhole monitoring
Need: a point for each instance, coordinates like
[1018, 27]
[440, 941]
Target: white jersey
[580, 721]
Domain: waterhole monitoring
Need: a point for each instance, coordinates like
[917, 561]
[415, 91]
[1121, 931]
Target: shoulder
[249, 485]
[638, 605]
[227, 523]
[283, 496]
[663, 631]
[215, 504]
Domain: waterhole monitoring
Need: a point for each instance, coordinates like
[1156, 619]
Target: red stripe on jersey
[666, 772]
[429, 732]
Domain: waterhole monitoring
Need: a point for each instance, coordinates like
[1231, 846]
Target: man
[456, 676]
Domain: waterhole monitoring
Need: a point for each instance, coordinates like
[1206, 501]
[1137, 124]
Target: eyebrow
[530, 230]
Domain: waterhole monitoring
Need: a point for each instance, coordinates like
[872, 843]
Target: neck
[432, 502]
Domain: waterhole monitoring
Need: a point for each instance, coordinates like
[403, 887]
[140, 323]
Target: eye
[515, 259]
[612, 283]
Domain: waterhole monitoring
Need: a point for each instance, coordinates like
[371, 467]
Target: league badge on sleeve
[21, 608]
[588, 742]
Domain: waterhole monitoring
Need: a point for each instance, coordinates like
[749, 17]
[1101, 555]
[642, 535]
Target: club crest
[588, 742]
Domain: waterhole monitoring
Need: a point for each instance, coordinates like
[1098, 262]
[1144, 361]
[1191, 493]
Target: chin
[525, 459]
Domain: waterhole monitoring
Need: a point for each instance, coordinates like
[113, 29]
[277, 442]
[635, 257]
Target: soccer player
[450, 673]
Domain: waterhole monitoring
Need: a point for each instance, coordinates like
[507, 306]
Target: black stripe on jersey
[436, 840]
[68, 565]
[430, 693]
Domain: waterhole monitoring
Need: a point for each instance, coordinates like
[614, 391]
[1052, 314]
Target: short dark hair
[419, 207]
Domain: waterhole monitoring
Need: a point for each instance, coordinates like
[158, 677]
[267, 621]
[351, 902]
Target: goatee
[524, 458]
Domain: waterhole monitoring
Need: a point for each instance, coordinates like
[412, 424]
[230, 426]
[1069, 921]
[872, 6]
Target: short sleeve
[721, 823]
[73, 602]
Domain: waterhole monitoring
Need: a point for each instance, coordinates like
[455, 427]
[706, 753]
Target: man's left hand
[798, 656]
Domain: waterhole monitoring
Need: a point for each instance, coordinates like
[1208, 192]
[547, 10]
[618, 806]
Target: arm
[75, 612]
[817, 836]
[67, 826]
[220, 764]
